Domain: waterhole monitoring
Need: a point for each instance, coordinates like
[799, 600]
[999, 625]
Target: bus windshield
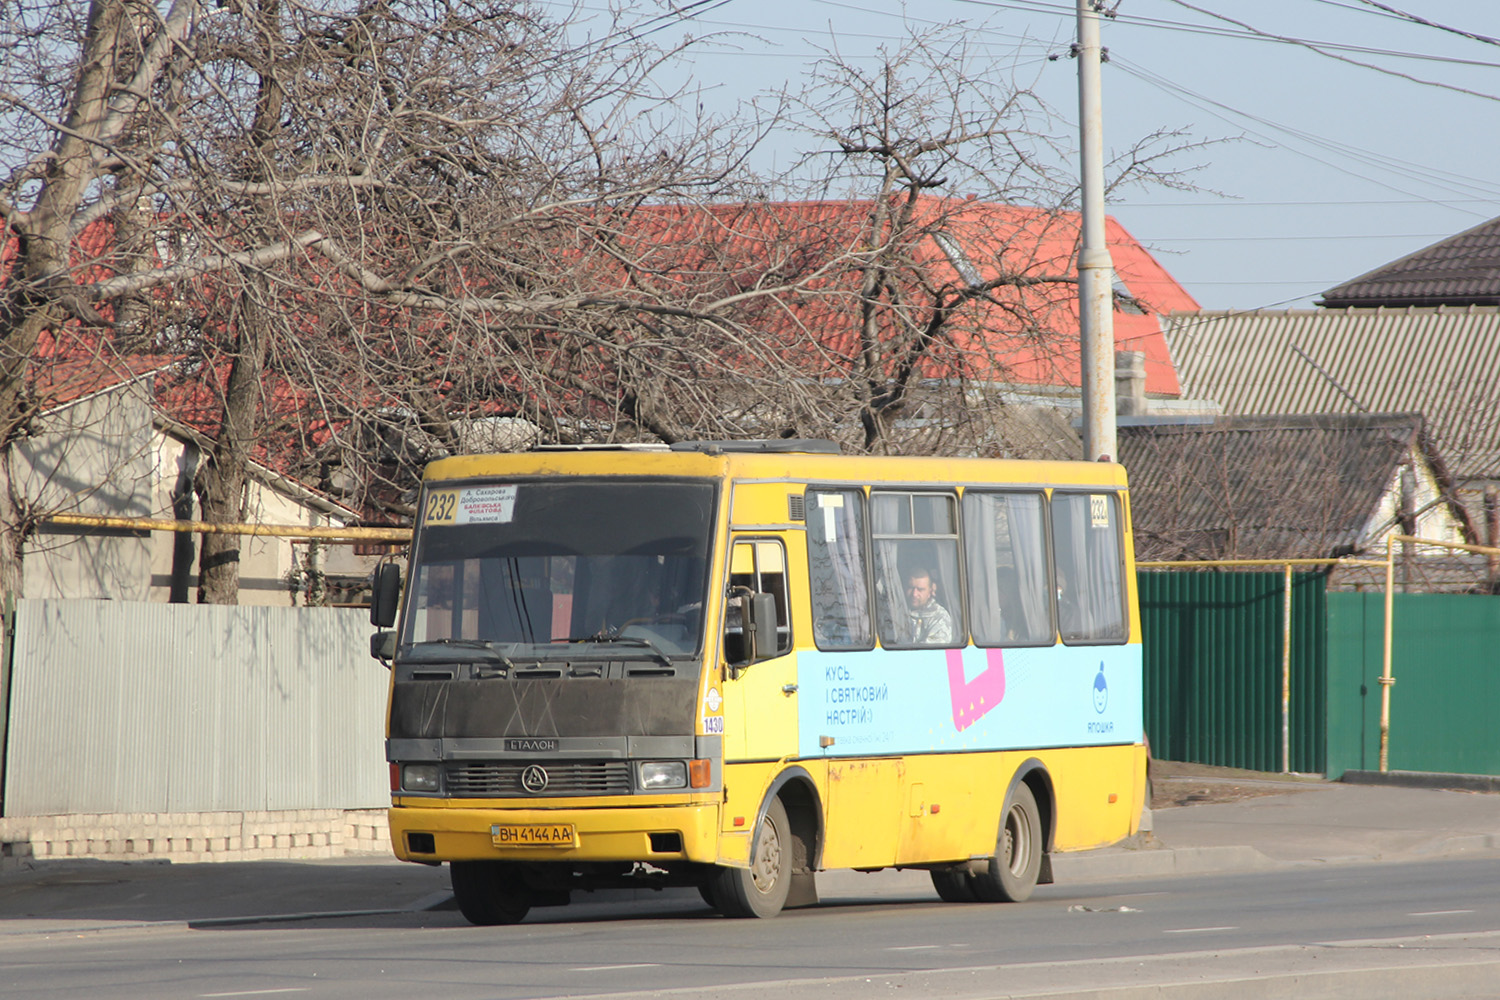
[588, 562]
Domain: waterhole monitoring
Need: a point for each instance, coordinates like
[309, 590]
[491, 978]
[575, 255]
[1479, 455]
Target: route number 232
[441, 506]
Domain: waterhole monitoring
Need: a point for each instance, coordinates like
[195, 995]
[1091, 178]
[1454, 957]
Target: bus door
[760, 699]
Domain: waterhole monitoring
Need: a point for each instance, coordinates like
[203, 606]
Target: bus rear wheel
[761, 889]
[489, 892]
[953, 886]
[1011, 874]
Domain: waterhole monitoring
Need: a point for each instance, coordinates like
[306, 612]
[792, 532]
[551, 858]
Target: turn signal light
[700, 773]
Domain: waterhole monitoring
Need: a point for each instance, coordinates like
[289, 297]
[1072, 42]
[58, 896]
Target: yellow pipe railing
[206, 528]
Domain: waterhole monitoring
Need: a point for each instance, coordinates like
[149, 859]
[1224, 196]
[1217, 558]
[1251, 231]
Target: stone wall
[193, 837]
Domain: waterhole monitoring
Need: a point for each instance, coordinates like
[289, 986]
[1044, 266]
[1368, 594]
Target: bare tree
[340, 216]
[957, 277]
[374, 231]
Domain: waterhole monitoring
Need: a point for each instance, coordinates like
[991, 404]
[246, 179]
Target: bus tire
[760, 890]
[953, 886]
[489, 892]
[1010, 876]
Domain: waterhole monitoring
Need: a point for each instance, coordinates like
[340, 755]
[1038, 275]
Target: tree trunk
[222, 493]
[13, 531]
[221, 483]
[30, 303]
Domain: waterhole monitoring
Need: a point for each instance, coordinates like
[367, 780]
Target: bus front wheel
[761, 889]
[1011, 874]
[489, 892]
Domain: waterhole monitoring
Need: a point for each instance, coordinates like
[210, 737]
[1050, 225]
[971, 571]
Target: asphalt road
[1394, 929]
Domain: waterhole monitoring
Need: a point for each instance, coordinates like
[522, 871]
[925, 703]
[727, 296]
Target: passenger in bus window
[931, 623]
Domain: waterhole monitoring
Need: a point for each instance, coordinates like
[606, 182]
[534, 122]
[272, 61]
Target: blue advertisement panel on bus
[944, 700]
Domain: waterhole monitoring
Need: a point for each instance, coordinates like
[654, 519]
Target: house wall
[105, 455]
[92, 457]
[1434, 518]
[266, 564]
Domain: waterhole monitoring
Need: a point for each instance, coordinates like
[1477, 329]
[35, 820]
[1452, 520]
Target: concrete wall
[191, 837]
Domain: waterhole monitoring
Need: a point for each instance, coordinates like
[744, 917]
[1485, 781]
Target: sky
[1334, 169]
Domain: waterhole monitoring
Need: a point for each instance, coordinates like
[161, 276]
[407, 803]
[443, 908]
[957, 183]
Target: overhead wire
[1446, 180]
[1417, 19]
[1465, 190]
[1244, 34]
[1327, 51]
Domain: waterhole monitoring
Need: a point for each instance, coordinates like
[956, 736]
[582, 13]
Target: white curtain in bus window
[836, 569]
[1086, 546]
[916, 544]
[1009, 581]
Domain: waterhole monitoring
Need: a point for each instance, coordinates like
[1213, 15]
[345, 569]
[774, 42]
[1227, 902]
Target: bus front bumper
[626, 833]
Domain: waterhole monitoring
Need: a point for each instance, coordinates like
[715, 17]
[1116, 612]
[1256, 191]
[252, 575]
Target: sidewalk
[1268, 821]
[1232, 822]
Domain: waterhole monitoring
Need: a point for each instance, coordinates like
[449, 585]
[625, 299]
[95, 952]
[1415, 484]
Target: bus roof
[739, 460]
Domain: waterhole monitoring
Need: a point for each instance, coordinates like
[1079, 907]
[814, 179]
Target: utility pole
[1096, 321]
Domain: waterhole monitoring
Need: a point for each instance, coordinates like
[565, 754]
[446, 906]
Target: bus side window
[1010, 583]
[1089, 566]
[757, 567]
[837, 566]
[917, 569]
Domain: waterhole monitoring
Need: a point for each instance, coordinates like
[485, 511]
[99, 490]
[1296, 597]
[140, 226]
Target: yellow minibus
[733, 664]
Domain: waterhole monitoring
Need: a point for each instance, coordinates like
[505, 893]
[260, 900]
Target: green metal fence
[1213, 668]
[1445, 656]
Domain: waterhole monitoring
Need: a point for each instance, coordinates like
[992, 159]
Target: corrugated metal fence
[1212, 647]
[1213, 665]
[1445, 654]
[122, 707]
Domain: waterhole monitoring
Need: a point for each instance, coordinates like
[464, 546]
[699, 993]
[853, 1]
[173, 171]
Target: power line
[1406, 16]
[1326, 51]
[1240, 203]
[1243, 33]
[1283, 239]
[1439, 178]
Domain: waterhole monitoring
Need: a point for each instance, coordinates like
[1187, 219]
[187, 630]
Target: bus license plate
[537, 835]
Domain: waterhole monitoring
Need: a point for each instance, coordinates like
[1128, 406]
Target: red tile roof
[1025, 334]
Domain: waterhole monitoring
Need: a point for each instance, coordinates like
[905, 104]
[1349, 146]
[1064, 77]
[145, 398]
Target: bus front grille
[512, 780]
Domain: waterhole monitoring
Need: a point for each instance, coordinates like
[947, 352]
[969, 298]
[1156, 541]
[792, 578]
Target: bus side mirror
[383, 646]
[385, 595]
[760, 626]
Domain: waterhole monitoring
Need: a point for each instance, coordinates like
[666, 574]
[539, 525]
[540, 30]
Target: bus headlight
[419, 777]
[663, 774]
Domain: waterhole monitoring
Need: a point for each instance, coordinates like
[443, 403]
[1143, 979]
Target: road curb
[1425, 779]
[1114, 863]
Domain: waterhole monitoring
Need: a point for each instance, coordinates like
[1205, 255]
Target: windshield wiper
[630, 640]
[491, 650]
